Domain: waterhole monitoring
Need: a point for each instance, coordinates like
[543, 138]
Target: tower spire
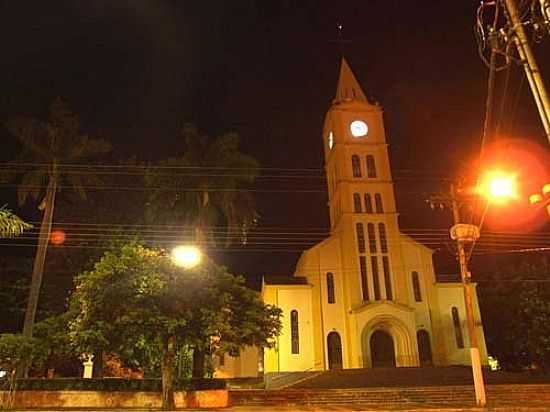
[348, 86]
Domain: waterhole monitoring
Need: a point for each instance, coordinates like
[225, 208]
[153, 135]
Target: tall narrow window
[458, 329]
[375, 280]
[360, 237]
[356, 166]
[383, 237]
[330, 288]
[368, 203]
[387, 277]
[364, 281]
[416, 287]
[378, 203]
[372, 238]
[371, 166]
[294, 334]
[357, 203]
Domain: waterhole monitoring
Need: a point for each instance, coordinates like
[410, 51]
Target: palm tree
[203, 188]
[10, 224]
[47, 150]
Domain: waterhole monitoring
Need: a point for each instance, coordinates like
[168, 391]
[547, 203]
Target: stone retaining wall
[217, 398]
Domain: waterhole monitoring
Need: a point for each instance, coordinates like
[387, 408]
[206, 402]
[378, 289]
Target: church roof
[348, 87]
[284, 280]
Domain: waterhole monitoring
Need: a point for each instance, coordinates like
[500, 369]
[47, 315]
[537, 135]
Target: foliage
[135, 297]
[10, 224]
[113, 384]
[204, 187]
[14, 348]
[138, 304]
[54, 348]
[56, 141]
[515, 307]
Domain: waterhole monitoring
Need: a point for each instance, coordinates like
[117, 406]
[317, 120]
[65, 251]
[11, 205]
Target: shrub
[112, 384]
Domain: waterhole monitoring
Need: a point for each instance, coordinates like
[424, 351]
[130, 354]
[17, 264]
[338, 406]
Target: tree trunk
[168, 354]
[198, 363]
[98, 365]
[38, 268]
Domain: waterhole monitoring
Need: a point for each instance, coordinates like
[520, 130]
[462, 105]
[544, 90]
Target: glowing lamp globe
[57, 237]
[499, 186]
[186, 256]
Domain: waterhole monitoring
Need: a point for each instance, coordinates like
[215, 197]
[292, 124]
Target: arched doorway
[334, 345]
[382, 349]
[424, 348]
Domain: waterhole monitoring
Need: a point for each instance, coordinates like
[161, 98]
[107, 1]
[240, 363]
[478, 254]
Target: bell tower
[360, 189]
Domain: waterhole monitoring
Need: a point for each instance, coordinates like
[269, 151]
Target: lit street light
[498, 186]
[186, 256]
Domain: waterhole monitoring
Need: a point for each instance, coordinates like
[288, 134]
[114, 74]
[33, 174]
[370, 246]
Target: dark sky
[137, 70]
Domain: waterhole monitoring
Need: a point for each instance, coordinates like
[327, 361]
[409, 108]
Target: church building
[367, 296]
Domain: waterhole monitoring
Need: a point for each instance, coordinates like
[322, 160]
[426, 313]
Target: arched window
[360, 237]
[372, 238]
[294, 334]
[364, 281]
[416, 287]
[383, 237]
[375, 280]
[371, 166]
[368, 203]
[357, 203]
[387, 277]
[378, 203]
[458, 329]
[330, 288]
[356, 166]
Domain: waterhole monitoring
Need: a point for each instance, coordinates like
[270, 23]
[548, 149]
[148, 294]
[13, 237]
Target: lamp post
[497, 187]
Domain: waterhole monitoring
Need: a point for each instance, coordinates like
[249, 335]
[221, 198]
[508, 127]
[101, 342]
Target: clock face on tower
[330, 140]
[358, 128]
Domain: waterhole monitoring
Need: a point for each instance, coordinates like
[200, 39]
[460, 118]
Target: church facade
[367, 296]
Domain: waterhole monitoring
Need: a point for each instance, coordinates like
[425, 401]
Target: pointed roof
[348, 86]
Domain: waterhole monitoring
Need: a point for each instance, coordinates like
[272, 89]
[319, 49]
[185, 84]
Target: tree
[516, 314]
[10, 224]
[136, 302]
[48, 147]
[204, 187]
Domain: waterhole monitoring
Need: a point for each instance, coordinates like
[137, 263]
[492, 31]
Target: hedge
[111, 384]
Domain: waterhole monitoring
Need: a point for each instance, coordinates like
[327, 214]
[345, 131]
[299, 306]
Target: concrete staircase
[407, 377]
[397, 388]
[397, 397]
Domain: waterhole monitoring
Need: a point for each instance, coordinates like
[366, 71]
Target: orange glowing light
[498, 186]
[57, 237]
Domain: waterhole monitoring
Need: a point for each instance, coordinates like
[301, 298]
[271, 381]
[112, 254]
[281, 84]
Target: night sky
[137, 70]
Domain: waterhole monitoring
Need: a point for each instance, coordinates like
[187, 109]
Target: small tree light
[186, 256]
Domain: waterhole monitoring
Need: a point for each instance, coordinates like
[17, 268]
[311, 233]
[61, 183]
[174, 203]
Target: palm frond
[33, 134]
[33, 183]
[10, 224]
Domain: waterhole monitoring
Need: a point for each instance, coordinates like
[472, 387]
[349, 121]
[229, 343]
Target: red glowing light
[57, 237]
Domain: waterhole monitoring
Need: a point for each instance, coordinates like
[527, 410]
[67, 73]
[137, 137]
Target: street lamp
[498, 186]
[186, 256]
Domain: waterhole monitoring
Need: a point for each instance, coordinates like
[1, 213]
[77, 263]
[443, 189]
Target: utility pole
[528, 61]
[465, 233]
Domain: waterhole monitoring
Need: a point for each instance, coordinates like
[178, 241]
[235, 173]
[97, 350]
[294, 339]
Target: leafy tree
[516, 314]
[47, 148]
[136, 302]
[203, 187]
